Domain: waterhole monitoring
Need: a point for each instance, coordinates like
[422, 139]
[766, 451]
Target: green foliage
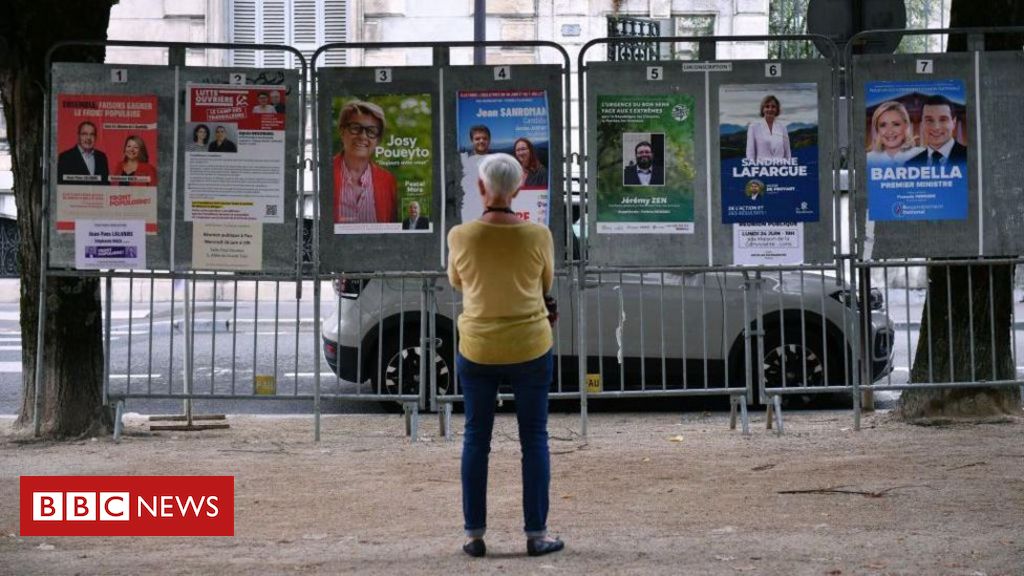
[790, 17]
[921, 15]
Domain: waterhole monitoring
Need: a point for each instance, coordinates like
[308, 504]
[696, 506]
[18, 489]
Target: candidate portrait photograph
[643, 159]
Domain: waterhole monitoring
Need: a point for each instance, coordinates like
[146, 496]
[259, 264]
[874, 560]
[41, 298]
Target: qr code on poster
[271, 210]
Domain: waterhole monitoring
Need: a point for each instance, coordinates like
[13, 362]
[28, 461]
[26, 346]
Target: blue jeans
[530, 382]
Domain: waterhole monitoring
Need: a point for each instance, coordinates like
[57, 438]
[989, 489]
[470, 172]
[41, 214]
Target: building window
[302, 24]
[691, 25]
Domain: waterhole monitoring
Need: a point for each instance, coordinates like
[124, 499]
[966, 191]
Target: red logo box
[127, 506]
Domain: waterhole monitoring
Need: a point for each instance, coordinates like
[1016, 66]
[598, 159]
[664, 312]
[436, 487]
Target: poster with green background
[645, 164]
[404, 149]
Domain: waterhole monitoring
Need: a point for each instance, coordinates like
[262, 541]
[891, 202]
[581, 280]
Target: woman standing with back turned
[504, 267]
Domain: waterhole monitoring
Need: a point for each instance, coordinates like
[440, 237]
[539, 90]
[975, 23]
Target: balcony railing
[635, 49]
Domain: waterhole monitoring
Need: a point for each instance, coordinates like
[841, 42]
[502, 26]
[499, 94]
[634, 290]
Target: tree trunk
[958, 304]
[959, 342]
[73, 350]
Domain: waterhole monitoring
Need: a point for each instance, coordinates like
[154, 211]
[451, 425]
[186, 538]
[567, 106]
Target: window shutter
[335, 30]
[275, 31]
[302, 24]
[243, 31]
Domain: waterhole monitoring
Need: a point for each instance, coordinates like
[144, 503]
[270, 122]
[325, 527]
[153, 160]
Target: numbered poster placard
[768, 138]
[234, 153]
[916, 150]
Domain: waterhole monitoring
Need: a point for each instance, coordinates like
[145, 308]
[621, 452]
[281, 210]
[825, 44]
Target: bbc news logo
[127, 506]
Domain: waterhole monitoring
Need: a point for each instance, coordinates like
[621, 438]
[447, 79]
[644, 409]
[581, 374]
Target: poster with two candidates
[916, 150]
[234, 171]
[514, 122]
[107, 177]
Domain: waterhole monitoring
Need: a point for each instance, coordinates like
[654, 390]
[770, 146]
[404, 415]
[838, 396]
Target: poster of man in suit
[645, 164]
[916, 150]
[107, 159]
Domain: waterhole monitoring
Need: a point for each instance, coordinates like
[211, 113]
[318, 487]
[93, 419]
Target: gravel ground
[643, 494]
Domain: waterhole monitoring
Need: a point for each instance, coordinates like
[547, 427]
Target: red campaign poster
[234, 144]
[247, 107]
[107, 159]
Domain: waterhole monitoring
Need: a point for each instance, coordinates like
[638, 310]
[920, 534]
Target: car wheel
[800, 360]
[401, 374]
[789, 363]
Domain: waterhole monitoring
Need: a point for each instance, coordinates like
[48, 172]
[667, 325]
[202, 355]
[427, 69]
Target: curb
[917, 325]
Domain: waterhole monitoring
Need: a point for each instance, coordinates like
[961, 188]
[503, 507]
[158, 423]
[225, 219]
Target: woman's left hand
[552, 305]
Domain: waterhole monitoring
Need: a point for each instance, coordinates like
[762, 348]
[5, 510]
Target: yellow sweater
[503, 271]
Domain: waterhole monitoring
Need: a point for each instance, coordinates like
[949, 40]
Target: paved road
[230, 347]
[234, 343]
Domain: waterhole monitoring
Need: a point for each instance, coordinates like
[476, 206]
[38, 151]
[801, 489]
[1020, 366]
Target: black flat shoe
[475, 548]
[542, 546]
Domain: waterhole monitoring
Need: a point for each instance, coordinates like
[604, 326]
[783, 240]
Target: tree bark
[966, 335]
[73, 351]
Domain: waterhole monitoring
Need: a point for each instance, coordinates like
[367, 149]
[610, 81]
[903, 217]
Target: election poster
[916, 150]
[227, 245]
[768, 244]
[234, 141]
[645, 164]
[106, 159]
[106, 245]
[768, 139]
[383, 164]
[513, 122]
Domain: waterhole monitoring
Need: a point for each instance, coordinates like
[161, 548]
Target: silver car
[650, 331]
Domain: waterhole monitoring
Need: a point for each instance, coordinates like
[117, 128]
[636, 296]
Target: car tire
[401, 364]
[805, 357]
[805, 360]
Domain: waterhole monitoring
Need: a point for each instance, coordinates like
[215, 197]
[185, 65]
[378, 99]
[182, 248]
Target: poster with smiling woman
[768, 138]
[107, 159]
[915, 150]
[382, 164]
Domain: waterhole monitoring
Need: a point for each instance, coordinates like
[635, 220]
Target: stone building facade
[571, 23]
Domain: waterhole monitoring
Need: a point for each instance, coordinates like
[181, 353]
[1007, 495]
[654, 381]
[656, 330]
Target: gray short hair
[501, 174]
